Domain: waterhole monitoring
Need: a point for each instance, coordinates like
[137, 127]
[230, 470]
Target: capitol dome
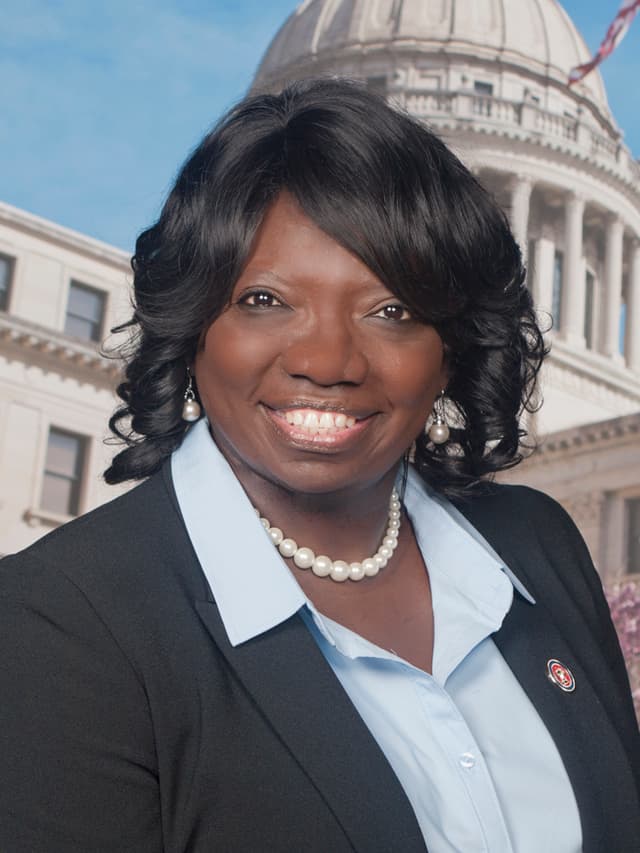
[536, 36]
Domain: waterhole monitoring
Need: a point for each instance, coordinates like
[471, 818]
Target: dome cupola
[534, 38]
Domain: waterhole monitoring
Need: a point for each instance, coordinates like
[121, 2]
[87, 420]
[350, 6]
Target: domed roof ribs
[395, 16]
[578, 42]
[327, 9]
[300, 9]
[499, 5]
[547, 46]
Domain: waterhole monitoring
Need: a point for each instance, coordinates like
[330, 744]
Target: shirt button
[467, 760]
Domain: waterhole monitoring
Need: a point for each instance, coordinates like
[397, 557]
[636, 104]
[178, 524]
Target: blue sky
[100, 102]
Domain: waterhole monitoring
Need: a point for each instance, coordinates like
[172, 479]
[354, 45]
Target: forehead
[291, 245]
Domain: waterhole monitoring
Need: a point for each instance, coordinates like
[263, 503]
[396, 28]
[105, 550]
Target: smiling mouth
[317, 426]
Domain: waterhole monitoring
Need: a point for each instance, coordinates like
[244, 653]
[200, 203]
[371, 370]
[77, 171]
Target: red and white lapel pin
[561, 675]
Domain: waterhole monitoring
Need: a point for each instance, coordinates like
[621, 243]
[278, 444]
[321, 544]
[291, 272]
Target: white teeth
[326, 421]
[313, 421]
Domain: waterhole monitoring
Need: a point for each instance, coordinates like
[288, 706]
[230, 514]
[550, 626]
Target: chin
[312, 478]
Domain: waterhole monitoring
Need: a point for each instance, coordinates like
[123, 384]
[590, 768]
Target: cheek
[230, 360]
[418, 377]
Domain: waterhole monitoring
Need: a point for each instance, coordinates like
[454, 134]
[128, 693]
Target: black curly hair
[387, 189]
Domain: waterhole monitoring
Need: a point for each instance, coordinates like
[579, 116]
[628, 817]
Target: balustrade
[556, 125]
[525, 117]
[430, 103]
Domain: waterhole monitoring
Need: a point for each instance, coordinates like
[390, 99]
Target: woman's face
[315, 378]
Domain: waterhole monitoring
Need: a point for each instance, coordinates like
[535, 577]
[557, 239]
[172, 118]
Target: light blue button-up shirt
[474, 758]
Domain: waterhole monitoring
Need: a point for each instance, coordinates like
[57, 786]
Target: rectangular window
[482, 88]
[633, 535]
[6, 275]
[589, 295]
[85, 312]
[63, 471]
[556, 298]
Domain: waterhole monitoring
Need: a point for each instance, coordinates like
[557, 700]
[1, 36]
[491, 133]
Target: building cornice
[74, 241]
[612, 163]
[588, 437]
[593, 366]
[48, 349]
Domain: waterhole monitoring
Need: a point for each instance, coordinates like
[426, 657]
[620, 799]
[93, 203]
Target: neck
[346, 524]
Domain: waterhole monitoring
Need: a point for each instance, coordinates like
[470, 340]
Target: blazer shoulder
[541, 536]
[112, 520]
[128, 547]
[510, 495]
[519, 508]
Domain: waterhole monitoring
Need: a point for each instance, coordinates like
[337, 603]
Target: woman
[423, 660]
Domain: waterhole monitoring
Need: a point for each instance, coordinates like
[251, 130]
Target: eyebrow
[264, 275]
[270, 277]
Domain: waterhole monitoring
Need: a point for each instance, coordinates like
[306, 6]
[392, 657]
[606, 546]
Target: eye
[395, 311]
[259, 299]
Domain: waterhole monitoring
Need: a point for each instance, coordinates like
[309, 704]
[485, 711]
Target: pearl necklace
[339, 570]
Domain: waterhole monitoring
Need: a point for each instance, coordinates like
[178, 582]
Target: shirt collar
[471, 587]
[252, 587]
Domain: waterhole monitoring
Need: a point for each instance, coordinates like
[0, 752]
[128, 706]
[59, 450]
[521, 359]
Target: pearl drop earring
[439, 431]
[191, 410]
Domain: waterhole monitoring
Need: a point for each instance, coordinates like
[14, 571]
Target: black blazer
[128, 724]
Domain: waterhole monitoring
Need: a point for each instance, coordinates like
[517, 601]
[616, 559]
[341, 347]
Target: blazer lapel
[288, 677]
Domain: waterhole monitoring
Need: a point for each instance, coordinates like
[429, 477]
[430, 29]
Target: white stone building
[60, 293]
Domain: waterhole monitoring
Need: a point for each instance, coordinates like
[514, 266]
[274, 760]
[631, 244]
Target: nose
[326, 351]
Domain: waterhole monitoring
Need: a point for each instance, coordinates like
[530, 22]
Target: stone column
[633, 309]
[612, 296]
[544, 253]
[573, 283]
[521, 187]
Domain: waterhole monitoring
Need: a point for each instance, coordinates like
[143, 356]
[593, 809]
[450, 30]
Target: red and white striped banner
[616, 32]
